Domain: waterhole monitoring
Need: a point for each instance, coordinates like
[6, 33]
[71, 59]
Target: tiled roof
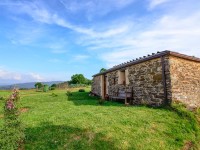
[148, 57]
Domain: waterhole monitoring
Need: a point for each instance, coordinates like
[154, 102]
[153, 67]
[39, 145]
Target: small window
[114, 81]
[122, 79]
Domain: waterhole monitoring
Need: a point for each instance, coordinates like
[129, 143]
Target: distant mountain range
[28, 85]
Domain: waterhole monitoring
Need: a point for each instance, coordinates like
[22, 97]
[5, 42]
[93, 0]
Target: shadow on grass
[83, 98]
[50, 136]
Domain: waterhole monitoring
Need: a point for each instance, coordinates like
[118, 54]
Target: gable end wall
[185, 80]
[96, 85]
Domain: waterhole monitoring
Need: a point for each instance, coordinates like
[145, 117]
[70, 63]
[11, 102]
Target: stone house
[156, 79]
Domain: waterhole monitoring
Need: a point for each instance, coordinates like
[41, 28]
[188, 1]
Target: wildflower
[10, 104]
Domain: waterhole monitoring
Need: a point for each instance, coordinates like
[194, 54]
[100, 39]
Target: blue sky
[44, 40]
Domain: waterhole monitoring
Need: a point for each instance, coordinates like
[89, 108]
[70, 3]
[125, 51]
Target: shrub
[1, 98]
[46, 88]
[81, 90]
[52, 88]
[69, 93]
[54, 95]
[12, 134]
[101, 101]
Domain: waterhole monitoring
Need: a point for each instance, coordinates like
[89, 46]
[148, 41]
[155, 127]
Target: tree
[38, 85]
[102, 70]
[53, 85]
[88, 82]
[46, 88]
[78, 79]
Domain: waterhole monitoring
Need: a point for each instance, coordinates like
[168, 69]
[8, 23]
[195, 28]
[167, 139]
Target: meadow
[54, 120]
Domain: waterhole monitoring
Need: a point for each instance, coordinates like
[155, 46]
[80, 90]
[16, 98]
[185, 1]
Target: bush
[54, 95]
[1, 98]
[52, 88]
[69, 93]
[12, 134]
[101, 101]
[81, 90]
[46, 88]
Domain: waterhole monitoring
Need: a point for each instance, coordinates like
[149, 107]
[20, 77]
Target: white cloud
[17, 77]
[25, 36]
[155, 3]
[94, 8]
[126, 38]
[169, 32]
[36, 77]
[81, 57]
[39, 13]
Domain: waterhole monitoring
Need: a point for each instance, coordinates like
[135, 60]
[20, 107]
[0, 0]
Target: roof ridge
[166, 51]
[149, 57]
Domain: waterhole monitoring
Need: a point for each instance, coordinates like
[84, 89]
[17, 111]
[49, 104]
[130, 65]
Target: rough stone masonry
[157, 79]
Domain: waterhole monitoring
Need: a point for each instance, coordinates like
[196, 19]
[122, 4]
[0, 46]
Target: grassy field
[78, 122]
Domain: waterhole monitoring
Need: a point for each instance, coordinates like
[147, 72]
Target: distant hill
[28, 85]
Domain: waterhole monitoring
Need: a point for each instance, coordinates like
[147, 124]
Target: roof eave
[153, 56]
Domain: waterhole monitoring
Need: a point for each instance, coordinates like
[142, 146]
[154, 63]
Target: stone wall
[185, 81]
[147, 83]
[96, 85]
[113, 82]
[145, 79]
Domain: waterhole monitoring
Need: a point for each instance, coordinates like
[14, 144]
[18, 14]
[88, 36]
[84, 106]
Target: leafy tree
[53, 85]
[46, 88]
[78, 79]
[102, 70]
[38, 85]
[88, 82]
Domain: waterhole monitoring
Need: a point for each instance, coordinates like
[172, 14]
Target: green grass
[78, 122]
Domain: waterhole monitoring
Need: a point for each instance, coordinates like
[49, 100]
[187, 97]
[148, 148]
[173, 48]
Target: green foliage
[77, 79]
[81, 90]
[102, 70]
[69, 93]
[101, 101]
[53, 85]
[45, 88]
[52, 88]
[12, 134]
[54, 95]
[1, 98]
[88, 81]
[38, 85]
